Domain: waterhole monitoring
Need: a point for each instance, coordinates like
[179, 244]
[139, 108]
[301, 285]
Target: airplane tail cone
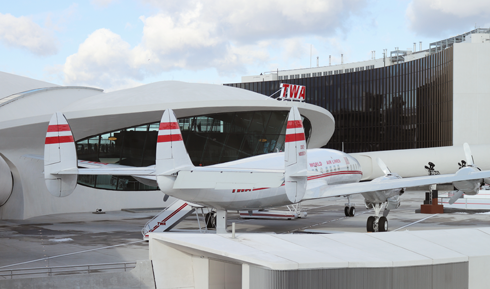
[60, 156]
[295, 157]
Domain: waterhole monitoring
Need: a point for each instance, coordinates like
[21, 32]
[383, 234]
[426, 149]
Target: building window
[209, 139]
[285, 77]
[297, 76]
[279, 78]
[330, 72]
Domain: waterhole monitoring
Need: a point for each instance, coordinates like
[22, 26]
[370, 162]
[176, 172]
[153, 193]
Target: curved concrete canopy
[111, 111]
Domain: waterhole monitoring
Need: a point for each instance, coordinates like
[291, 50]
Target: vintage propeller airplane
[253, 183]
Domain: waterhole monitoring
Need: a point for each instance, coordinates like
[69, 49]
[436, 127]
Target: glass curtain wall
[403, 106]
[209, 139]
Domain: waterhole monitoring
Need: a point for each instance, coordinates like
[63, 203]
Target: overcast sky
[114, 44]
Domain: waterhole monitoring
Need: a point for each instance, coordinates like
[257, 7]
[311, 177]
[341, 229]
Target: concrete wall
[140, 277]
[471, 98]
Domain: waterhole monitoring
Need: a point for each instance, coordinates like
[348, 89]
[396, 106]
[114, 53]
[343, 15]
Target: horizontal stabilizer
[108, 171]
[197, 179]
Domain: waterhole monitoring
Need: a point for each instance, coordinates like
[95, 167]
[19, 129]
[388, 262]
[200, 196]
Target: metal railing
[65, 270]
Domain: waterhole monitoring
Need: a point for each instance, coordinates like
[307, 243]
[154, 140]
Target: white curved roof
[144, 104]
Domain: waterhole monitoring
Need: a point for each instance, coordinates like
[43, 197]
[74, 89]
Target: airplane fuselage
[329, 167]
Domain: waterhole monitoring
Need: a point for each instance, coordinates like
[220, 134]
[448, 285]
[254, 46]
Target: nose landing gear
[350, 209]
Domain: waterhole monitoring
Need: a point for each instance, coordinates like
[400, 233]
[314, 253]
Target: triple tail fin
[295, 157]
[60, 155]
[171, 153]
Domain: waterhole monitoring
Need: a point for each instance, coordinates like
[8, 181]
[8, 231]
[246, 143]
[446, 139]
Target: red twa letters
[293, 91]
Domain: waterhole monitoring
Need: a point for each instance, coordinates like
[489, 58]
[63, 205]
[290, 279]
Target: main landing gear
[376, 223]
[350, 209]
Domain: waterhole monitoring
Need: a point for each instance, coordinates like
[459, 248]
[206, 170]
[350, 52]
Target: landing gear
[350, 209]
[376, 223]
[210, 219]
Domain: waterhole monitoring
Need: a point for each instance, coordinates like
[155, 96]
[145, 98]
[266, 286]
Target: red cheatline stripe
[59, 127]
[259, 189]
[295, 137]
[169, 137]
[334, 174]
[294, 124]
[58, 139]
[169, 125]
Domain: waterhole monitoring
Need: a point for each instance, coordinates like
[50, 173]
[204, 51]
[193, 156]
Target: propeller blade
[383, 167]
[468, 155]
[455, 197]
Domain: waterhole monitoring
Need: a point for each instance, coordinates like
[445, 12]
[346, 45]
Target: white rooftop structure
[480, 35]
[427, 259]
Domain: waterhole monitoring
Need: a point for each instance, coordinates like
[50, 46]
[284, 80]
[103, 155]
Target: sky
[117, 44]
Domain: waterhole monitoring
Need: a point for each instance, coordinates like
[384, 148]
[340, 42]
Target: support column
[221, 222]
[245, 276]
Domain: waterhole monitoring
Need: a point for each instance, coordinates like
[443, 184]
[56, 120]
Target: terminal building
[218, 124]
[407, 99]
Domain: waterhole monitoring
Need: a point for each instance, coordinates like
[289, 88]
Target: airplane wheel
[370, 224]
[383, 224]
[346, 211]
[210, 219]
[352, 211]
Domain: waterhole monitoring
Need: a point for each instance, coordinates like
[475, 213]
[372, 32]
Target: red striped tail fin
[60, 157]
[171, 152]
[295, 157]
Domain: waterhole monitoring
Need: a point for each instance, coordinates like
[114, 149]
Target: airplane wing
[326, 191]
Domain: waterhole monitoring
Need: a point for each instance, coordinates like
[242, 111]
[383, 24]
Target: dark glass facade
[209, 139]
[402, 106]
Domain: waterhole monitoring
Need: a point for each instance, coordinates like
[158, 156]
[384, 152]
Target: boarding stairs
[168, 218]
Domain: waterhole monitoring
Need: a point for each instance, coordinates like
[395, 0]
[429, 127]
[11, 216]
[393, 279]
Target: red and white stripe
[169, 132]
[58, 133]
[295, 131]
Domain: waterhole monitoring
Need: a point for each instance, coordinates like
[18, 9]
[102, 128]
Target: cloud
[440, 18]
[102, 60]
[22, 32]
[102, 3]
[196, 35]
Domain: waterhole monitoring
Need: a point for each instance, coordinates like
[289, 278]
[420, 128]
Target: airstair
[168, 218]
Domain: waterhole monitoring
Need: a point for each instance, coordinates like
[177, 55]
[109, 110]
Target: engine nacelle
[6, 182]
[393, 202]
[469, 187]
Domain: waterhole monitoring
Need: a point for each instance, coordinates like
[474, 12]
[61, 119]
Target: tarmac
[87, 238]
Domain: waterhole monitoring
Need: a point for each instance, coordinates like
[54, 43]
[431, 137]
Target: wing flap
[223, 179]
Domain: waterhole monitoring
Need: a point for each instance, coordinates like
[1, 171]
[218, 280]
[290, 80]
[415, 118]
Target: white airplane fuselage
[329, 166]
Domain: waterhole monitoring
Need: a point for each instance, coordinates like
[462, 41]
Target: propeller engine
[469, 187]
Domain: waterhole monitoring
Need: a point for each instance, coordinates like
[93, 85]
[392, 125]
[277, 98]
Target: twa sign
[292, 91]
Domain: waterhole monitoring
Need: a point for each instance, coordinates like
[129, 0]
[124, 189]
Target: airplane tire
[370, 224]
[383, 224]
[352, 211]
[346, 211]
[210, 220]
